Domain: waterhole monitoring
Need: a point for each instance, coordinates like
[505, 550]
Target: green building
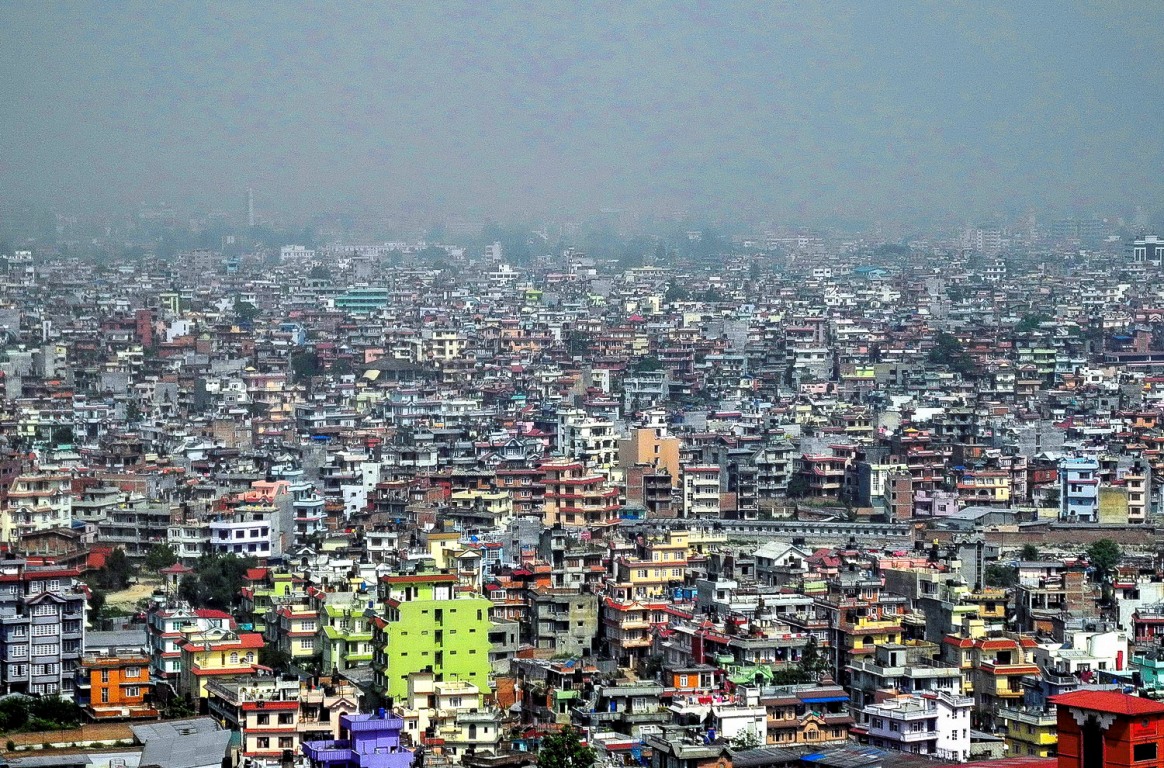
[260, 598]
[427, 622]
[346, 635]
[362, 301]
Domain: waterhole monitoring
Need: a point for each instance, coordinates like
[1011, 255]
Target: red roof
[177, 568]
[1109, 701]
[210, 613]
[1017, 762]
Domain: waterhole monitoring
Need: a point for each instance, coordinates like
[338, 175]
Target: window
[44, 609]
[19, 652]
[44, 630]
[264, 719]
[1144, 752]
[307, 644]
[133, 671]
[104, 695]
[105, 675]
[285, 718]
[286, 742]
[263, 742]
[132, 691]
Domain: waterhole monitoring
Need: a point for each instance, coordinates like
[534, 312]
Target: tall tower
[250, 207]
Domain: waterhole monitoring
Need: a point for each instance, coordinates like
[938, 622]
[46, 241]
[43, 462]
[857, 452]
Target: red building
[1101, 729]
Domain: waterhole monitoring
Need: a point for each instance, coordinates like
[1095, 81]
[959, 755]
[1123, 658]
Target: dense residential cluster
[825, 500]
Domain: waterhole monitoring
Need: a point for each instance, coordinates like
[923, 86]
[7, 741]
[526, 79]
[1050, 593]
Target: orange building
[1100, 729]
[115, 687]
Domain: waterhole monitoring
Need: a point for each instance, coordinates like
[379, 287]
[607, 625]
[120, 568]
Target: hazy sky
[883, 108]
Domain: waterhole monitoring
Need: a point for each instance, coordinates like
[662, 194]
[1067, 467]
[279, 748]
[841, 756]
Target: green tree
[948, 351]
[1031, 322]
[319, 272]
[13, 713]
[812, 661]
[305, 364]
[998, 575]
[1104, 556]
[564, 749]
[96, 601]
[271, 656]
[61, 713]
[676, 292]
[1029, 552]
[797, 487]
[116, 572]
[160, 556]
[245, 312]
[648, 364]
[216, 581]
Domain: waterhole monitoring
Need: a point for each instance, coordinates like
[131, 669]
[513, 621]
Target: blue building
[1079, 490]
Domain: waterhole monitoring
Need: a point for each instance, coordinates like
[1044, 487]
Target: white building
[700, 491]
[935, 724]
[584, 438]
[1086, 652]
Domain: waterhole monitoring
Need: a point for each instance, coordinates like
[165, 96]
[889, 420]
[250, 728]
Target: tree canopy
[160, 556]
[216, 581]
[949, 351]
[1104, 556]
[565, 749]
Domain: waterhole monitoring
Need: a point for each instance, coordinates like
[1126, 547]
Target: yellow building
[1113, 505]
[214, 655]
[653, 446]
[477, 508]
[1029, 733]
[298, 630]
[984, 488]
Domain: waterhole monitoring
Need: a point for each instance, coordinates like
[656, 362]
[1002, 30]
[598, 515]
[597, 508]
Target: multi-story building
[995, 668]
[1107, 728]
[451, 713]
[345, 633]
[587, 439]
[700, 491]
[626, 627]
[813, 715]
[215, 654]
[115, 686]
[166, 628]
[36, 501]
[562, 620]
[932, 724]
[426, 622]
[911, 667]
[365, 741]
[296, 630]
[576, 498]
[1079, 490]
[652, 446]
[274, 715]
[42, 616]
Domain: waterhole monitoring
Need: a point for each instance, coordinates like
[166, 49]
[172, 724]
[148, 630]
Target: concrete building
[1079, 490]
[42, 612]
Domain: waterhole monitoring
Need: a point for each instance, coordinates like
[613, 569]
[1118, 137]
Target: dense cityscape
[774, 496]
[557, 384]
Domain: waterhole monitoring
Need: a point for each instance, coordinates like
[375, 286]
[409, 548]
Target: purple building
[366, 741]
